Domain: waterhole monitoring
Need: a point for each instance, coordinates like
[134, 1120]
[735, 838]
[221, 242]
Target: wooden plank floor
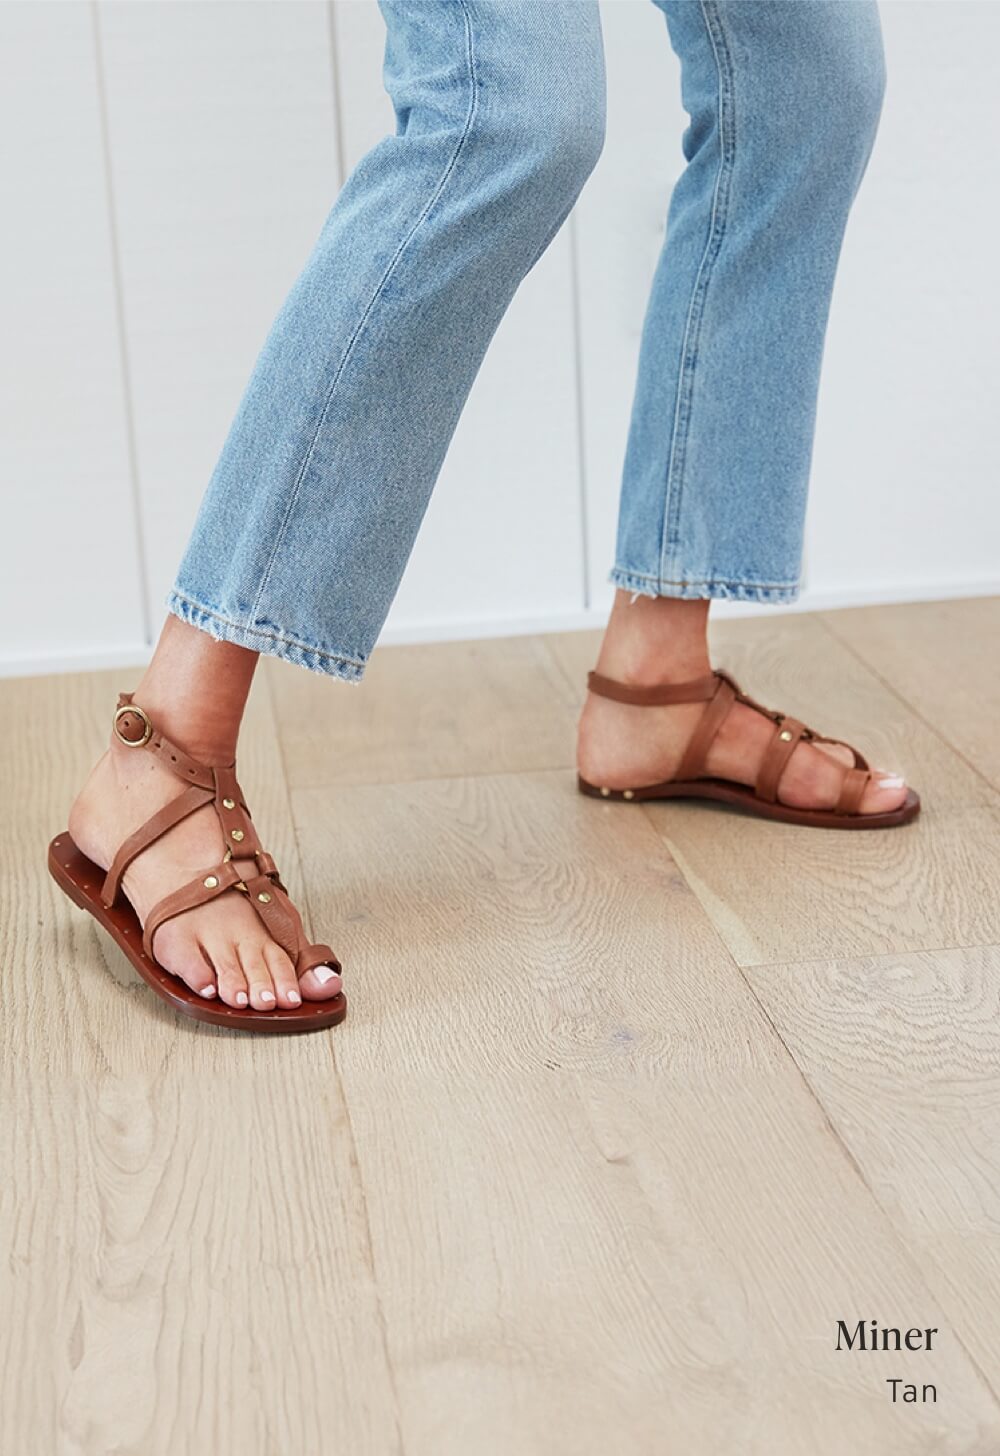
[633, 1104]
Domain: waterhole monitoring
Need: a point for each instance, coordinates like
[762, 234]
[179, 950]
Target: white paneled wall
[69, 572]
[223, 158]
[165, 168]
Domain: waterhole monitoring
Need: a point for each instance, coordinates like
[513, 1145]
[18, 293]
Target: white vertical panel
[502, 538]
[620, 222]
[904, 495]
[224, 160]
[68, 574]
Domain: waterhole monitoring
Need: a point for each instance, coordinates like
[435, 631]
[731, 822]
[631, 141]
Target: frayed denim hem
[732, 591]
[258, 639]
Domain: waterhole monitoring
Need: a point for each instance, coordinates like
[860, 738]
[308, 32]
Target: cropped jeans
[315, 503]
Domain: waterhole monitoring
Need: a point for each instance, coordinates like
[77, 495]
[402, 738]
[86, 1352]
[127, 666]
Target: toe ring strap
[311, 956]
[852, 790]
[274, 909]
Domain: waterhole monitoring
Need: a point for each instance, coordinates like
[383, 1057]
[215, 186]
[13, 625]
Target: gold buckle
[146, 721]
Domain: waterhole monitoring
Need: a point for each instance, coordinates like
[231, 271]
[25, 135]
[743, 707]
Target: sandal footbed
[82, 880]
[739, 796]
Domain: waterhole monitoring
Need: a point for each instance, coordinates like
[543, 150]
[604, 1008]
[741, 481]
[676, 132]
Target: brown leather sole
[741, 797]
[81, 880]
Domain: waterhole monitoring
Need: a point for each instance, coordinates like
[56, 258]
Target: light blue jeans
[315, 503]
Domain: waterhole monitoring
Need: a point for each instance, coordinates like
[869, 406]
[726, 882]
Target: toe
[187, 959]
[283, 977]
[320, 984]
[229, 975]
[258, 978]
[884, 793]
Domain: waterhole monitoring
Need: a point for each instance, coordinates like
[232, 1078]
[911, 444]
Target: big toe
[883, 793]
[320, 983]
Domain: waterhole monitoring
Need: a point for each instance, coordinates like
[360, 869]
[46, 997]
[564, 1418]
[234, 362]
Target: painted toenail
[894, 781]
[295, 998]
[208, 992]
[323, 974]
[267, 995]
[241, 998]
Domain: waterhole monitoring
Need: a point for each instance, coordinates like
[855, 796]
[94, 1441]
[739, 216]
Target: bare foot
[218, 949]
[630, 747]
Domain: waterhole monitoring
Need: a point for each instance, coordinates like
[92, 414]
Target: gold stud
[211, 883]
[785, 736]
[229, 803]
[237, 834]
[628, 794]
[605, 793]
[264, 898]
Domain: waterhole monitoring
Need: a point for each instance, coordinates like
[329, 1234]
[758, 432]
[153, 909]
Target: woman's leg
[312, 511]
[784, 98]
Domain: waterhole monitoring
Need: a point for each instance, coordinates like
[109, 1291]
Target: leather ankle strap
[134, 728]
[697, 690]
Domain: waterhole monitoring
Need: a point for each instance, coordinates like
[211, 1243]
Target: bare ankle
[195, 690]
[655, 640]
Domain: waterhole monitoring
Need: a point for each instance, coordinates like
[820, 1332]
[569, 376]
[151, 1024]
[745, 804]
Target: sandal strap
[282, 923]
[708, 725]
[719, 692]
[788, 733]
[135, 729]
[192, 799]
[280, 919]
[697, 690]
[196, 892]
[716, 689]
[852, 790]
[311, 956]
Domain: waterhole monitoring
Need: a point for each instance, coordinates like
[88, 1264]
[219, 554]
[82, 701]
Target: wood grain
[942, 657]
[624, 1213]
[427, 712]
[904, 1053]
[570, 1179]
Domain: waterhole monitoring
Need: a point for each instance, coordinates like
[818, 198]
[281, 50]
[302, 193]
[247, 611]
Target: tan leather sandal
[718, 692]
[101, 894]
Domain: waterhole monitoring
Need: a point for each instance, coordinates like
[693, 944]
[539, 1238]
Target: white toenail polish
[294, 997]
[267, 995]
[241, 998]
[892, 782]
[208, 991]
[323, 974]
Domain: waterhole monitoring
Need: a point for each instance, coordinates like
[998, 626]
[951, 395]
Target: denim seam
[278, 637]
[670, 532]
[390, 268]
[704, 580]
